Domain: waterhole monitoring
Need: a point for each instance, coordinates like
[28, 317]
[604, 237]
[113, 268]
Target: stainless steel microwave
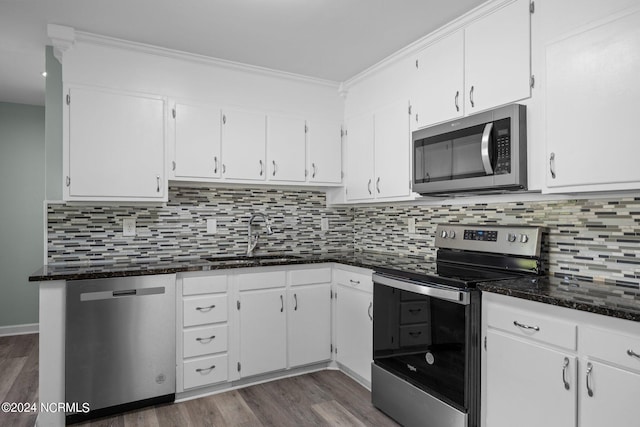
[485, 152]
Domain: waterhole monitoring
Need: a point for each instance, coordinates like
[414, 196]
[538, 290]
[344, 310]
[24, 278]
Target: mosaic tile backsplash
[593, 239]
[93, 234]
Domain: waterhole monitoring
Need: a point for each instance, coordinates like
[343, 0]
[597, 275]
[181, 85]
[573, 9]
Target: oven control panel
[512, 240]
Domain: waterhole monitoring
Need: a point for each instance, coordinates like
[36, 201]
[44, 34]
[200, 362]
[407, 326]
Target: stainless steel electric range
[426, 339]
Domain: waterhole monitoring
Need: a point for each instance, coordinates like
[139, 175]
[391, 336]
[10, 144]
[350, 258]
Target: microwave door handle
[484, 149]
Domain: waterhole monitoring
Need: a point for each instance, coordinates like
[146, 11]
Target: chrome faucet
[253, 238]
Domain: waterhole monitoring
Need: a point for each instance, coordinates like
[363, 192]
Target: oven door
[426, 335]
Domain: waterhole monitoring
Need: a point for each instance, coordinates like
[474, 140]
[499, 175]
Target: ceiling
[328, 39]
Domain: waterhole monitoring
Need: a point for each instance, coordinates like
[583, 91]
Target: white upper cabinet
[244, 145]
[498, 58]
[591, 97]
[392, 151]
[360, 158]
[197, 142]
[286, 153]
[325, 152]
[439, 92]
[114, 146]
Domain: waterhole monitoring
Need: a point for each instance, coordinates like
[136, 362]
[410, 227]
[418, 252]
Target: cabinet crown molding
[62, 38]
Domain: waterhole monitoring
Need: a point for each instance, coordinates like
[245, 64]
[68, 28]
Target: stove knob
[511, 237]
[452, 234]
[444, 234]
[524, 238]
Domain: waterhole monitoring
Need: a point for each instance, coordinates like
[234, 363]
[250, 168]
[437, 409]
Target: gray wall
[22, 180]
[53, 126]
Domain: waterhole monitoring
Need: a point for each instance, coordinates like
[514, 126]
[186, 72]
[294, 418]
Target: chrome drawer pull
[206, 309]
[589, 389]
[415, 334]
[415, 310]
[565, 365]
[633, 354]
[205, 371]
[355, 282]
[520, 325]
[205, 340]
[369, 311]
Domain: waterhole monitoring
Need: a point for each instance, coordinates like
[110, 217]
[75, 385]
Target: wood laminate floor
[325, 398]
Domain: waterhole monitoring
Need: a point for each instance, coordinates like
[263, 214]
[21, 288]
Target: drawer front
[413, 335]
[529, 324]
[622, 350]
[201, 372]
[262, 280]
[204, 285]
[203, 310]
[354, 280]
[414, 312]
[201, 341]
[310, 276]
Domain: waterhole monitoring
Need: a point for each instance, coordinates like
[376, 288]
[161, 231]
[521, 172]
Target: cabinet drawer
[412, 335]
[529, 324]
[201, 341]
[354, 280]
[205, 371]
[203, 310]
[204, 285]
[263, 280]
[310, 277]
[414, 312]
[610, 347]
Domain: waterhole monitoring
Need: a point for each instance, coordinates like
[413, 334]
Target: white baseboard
[30, 328]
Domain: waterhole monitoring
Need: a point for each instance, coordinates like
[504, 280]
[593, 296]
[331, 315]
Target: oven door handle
[484, 149]
[424, 288]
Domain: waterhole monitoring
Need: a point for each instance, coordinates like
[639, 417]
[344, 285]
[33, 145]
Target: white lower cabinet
[263, 337]
[354, 322]
[309, 324]
[549, 366]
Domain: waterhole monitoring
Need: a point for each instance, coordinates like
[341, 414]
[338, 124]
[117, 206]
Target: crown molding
[62, 38]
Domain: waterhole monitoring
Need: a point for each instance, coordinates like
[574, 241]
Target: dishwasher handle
[125, 293]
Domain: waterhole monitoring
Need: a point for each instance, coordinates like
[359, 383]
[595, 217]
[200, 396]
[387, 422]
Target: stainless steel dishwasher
[120, 343]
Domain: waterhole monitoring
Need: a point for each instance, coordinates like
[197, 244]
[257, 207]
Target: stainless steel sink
[253, 260]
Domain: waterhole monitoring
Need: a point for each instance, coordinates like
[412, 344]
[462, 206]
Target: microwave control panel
[503, 147]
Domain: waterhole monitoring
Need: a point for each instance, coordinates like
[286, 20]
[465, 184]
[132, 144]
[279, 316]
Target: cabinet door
[592, 92]
[392, 148]
[439, 93]
[309, 324]
[286, 153]
[526, 384]
[197, 144]
[243, 145]
[116, 146]
[614, 400]
[498, 58]
[263, 340]
[360, 157]
[354, 330]
[325, 152]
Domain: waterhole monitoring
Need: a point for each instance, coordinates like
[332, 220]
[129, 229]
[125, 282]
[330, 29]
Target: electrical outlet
[129, 227]
[324, 224]
[212, 226]
[411, 224]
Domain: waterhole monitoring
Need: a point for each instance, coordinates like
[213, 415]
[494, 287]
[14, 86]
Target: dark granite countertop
[594, 297]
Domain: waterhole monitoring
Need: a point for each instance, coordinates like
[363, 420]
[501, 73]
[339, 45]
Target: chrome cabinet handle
[378, 185]
[224, 168]
[565, 365]
[157, 183]
[552, 165]
[355, 282]
[215, 164]
[206, 309]
[68, 181]
[281, 303]
[261, 168]
[484, 149]
[295, 298]
[456, 100]
[313, 166]
[589, 389]
[633, 354]
[275, 168]
[471, 97]
[369, 310]
[415, 334]
[369, 187]
[206, 340]
[523, 326]
[173, 165]
[205, 371]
